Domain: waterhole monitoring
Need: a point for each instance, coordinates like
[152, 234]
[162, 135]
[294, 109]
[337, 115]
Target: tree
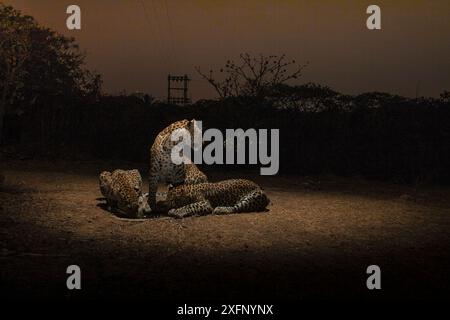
[253, 76]
[14, 51]
[38, 63]
[445, 96]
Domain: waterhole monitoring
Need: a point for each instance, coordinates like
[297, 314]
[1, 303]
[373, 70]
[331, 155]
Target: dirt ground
[316, 241]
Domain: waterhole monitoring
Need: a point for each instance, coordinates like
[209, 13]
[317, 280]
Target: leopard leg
[152, 188]
[197, 208]
[255, 200]
[224, 210]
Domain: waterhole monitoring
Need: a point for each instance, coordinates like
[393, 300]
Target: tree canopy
[253, 76]
[38, 63]
[35, 60]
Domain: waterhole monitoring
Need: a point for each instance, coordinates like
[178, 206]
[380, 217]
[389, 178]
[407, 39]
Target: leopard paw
[174, 213]
[222, 210]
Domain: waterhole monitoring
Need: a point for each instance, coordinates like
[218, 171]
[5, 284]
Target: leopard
[123, 192]
[223, 197]
[163, 170]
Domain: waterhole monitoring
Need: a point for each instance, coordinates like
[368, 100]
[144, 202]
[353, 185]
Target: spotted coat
[163, 170]
[123, 192]
[228, 196]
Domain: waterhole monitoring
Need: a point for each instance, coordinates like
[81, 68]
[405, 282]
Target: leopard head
[105, 181]
[178, 196]
[184, 128]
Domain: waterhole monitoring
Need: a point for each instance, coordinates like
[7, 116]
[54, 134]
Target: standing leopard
[162, 169]
[228, 196]
[123, 191]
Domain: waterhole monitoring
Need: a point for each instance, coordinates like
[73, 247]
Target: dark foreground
[313, 243]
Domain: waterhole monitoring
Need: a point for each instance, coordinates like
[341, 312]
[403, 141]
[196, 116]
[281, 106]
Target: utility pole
[173, 95]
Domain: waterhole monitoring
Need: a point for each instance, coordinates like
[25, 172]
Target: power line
[158, 27]
[155, 34]
[171, 34]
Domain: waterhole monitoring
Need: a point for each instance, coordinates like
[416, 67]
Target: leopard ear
[192, 123]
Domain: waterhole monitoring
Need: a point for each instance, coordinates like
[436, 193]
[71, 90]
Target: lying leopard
[228, 196]
[123, 192]
[162, 169]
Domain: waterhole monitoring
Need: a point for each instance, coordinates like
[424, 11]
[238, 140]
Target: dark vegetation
[53, 107]
[400, 139]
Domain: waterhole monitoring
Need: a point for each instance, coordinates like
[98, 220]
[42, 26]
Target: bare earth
[310, 244]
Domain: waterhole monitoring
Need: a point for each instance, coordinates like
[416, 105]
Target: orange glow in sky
[135, 44]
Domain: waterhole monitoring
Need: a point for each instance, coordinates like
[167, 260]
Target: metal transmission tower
[173, 91]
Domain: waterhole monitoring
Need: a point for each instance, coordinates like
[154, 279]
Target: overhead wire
[171, 35]
[155, 32]
[159, 31]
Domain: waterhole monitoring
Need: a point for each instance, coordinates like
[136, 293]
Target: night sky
[135, 44]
